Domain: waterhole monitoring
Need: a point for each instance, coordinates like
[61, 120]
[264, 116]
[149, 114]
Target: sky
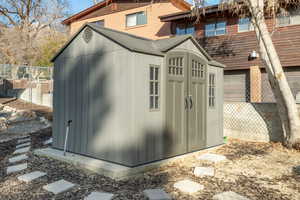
[79, 5]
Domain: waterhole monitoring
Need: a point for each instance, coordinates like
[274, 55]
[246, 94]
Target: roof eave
[69, 20]
[88, 25]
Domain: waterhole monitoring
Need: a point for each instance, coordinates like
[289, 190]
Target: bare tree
[258, 10]
[23, 22]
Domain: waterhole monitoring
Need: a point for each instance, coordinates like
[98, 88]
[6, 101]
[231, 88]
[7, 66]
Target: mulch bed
[163, 177]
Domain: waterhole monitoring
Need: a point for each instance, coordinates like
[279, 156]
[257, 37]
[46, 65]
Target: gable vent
[87, 35]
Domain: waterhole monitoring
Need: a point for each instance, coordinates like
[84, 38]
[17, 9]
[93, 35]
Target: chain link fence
[250, 110]
[17, 72]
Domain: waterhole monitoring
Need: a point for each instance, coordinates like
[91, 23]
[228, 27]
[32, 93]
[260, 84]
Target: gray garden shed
[134, 100]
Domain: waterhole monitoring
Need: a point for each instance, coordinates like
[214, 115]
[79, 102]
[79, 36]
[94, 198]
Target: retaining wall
[40, 93]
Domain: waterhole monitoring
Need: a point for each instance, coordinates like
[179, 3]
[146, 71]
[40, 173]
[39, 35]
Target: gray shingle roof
[140, 44]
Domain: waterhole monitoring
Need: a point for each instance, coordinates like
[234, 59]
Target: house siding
[233, 49]
[154, 29]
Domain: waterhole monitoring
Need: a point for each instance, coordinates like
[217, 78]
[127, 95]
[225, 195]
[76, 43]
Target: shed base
[108, 169]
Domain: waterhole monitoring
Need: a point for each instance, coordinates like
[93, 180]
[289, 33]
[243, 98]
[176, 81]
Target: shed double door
[185, 102]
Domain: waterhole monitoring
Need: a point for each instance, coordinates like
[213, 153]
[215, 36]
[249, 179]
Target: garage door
[237, 86]
[293, 78]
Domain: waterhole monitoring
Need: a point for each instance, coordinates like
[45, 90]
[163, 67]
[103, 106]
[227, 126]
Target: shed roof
[140, 44]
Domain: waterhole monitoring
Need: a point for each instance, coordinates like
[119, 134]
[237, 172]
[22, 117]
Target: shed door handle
[186, 103]
[191, 102]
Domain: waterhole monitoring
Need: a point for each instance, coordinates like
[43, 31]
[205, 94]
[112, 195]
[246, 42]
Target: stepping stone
[157, 194]
[18, 158]
[59, 186]
[49, 141]
[23, 137]
[16, 168]
[22, 150]
[99, 196]
[188, 186]
[20, 141]
[212, 157]
[204, 171]
[23, 145]
[31, 176]
[229, 196]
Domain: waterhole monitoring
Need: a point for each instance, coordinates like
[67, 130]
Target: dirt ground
[23, 105]
[259, 171]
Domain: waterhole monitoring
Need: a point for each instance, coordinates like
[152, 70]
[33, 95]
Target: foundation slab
[112, 170]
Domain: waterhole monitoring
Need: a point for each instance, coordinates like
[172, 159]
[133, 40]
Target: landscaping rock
[22, 150]
[229, 196]
[188, 186]
[23, 145]
[157, 194]
[18, 158]
[59, 186]
[3, 124]
[16, 168]
[49, 141]
[22, 115]
[212, 157]
[99, 196]
[204, 171]
[24, 140]
[31, 176]
[26, 127]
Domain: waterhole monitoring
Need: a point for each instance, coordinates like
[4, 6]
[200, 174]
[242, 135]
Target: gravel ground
[255, 170]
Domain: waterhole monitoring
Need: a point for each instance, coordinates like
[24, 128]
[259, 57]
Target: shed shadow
[268, 112]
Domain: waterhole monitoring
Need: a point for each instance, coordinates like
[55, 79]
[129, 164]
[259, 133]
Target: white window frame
[215, 29]
[250, 26]
[135, 15]
[154, 79]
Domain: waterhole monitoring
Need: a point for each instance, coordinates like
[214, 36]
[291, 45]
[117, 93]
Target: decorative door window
[176, 66]
[197, 69]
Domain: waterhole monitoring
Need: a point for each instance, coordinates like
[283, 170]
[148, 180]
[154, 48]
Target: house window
[292, 18]
[183, 29]
[212, 90]
[135, 19]
[99, 23]
[154, 87]
[215, 29]
[245, 25]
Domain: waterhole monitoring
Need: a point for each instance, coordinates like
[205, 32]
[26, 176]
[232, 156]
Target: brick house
[231, 40]
[227, 38]
[136, 17]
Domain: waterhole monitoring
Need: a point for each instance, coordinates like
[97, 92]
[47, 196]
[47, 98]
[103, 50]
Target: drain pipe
[67, 134]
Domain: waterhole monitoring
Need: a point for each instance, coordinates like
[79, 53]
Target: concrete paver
[157, 194]
[58, 187]
[16, 168]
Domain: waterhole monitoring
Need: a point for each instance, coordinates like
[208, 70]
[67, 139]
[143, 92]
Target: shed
[134, 100]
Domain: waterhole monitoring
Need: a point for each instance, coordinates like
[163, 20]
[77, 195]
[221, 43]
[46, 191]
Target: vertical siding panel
[72, 107]
[56, 137]
[60, 100]
[84, 131]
